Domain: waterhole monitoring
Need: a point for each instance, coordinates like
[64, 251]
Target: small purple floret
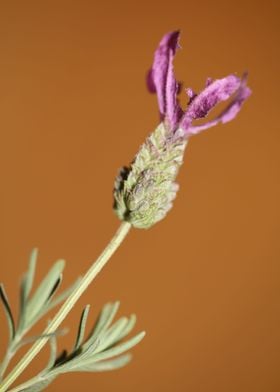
[161, 80]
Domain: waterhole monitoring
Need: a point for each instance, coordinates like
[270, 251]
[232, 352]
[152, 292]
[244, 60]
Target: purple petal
[229, 113]
[233, 108]
[217, 91]
[161, 79]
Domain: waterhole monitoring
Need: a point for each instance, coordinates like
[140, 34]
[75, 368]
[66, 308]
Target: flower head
[145, 190]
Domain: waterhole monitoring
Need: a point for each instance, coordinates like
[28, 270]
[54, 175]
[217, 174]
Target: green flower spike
[144, 192]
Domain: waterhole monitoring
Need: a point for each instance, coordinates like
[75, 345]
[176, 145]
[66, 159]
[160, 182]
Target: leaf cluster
[101, 349]
[33, 306]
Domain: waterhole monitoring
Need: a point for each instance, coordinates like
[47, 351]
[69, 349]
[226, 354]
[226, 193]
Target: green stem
[11, 350]
[5, 362]
[68, 304]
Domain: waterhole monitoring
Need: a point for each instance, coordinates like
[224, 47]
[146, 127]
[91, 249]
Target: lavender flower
[144, 191]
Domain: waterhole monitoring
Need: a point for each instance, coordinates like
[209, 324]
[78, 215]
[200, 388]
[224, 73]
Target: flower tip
[246, 90]
[191, 94]
[171, 41]
[242, 94]
[209, 81]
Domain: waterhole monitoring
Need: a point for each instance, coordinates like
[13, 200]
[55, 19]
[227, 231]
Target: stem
[5, 362]
[68, 304]
[11, 350]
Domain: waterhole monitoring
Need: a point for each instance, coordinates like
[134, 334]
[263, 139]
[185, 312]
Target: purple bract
[161, 80]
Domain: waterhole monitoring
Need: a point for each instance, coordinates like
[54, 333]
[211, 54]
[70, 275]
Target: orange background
[204, 282]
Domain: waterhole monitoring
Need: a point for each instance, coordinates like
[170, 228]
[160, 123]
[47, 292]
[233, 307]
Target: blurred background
[74, 107]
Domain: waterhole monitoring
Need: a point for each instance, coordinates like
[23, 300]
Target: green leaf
[129, 326]
[46, 289]
[8, 312]
[29, 277]
[37, 386]
[60, 298]
[117, 350]
[89, 362]
[102, 366]
[96, 353]
[82, 326]
[55, 288]
[31, 339]
[105, 318]
[112, 334]
[53, 352]
[26, 286]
